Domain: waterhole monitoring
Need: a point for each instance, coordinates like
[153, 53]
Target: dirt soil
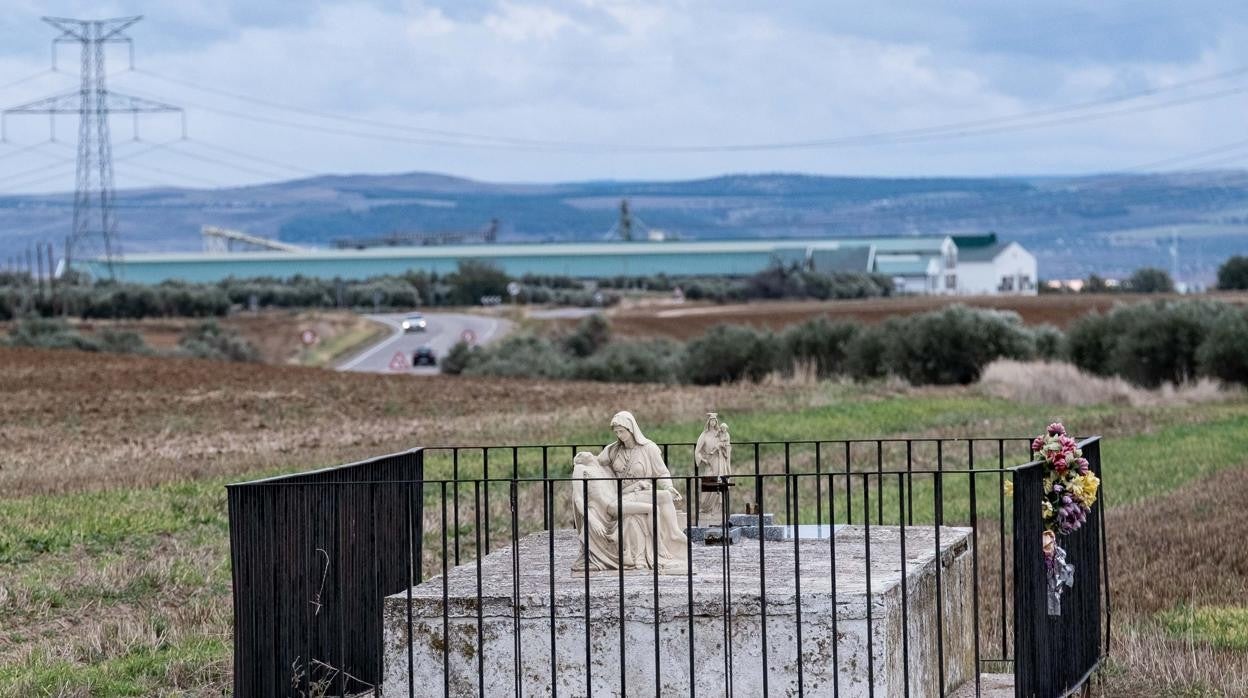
[692, 319]
[122, 420]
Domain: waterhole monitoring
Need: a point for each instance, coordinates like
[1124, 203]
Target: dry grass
[1055, 383]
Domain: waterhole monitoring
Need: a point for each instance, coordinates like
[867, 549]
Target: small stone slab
[769, 532]
[751, 519]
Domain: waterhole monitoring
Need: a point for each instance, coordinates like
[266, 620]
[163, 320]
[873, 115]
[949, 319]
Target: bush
[1150, 280]
[953, 345]
[728, 353]
[123, 342]
[591, 334]
[1233, 274]
[1048, 343]
[474, 279]
[522, 356]
[208, 340]
[820, 342]
[1223, 355]
[1090, 342]
[656, 361]
[48, 333]
[460, 356]
[866, 355]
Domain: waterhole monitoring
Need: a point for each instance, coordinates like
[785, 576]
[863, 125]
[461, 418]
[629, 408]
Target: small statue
[713, 458]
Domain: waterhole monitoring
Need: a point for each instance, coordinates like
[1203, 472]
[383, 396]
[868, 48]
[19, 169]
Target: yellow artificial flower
[1089, 484]
[1047, 508]
[1009, 488]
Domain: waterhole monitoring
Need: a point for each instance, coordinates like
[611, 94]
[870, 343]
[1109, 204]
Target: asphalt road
[443, 331]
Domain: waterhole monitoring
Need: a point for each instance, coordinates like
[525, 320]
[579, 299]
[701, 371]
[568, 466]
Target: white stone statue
[713, 457]
[595, 502]
[648, 500]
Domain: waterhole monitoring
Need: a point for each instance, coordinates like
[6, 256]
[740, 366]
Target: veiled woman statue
[649, 522]
[713, 457]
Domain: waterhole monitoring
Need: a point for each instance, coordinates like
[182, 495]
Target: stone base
[721, 536]
[537, 638]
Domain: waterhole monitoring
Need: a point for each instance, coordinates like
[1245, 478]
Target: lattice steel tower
[95, 220]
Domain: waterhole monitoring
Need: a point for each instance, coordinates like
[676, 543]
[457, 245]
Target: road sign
[513, 289]
[308, 337]
[399, 362]
[468, 337]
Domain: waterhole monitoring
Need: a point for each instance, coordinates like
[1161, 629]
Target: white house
[989, 267]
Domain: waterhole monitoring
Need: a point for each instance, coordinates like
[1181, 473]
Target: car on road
[415, 323]
[424, 356]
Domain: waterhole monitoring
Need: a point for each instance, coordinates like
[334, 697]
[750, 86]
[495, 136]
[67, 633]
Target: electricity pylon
[95, 220]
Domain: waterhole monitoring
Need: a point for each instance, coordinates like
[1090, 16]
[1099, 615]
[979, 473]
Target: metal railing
[397, 576]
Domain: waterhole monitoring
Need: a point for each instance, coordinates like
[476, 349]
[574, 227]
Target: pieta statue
[629, 472]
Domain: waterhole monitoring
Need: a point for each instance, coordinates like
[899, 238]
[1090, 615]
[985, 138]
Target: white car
[415, 323]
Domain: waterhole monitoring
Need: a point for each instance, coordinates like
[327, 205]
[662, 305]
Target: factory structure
[923, 265]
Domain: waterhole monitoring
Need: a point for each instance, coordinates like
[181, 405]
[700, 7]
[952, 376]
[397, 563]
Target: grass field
[114, 572]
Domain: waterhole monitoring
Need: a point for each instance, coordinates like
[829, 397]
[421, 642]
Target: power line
[950, 130]
[28, 78]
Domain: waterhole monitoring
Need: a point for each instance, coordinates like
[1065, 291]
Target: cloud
[689, 72]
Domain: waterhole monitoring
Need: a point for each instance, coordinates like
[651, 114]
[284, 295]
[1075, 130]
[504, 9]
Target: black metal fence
[448, 571]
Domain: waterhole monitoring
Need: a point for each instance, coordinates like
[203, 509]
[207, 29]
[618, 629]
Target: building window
[1024, 283]
[951, 282]
[1007, 284]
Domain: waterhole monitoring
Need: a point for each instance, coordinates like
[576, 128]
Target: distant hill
[1110, 224]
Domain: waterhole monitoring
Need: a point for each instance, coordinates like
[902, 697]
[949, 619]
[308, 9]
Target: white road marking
[397, 335]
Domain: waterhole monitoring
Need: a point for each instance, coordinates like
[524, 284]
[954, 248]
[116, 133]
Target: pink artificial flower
[1037, 445]
[1056, 429]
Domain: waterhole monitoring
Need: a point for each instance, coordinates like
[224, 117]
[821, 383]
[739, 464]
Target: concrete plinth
[515, 642]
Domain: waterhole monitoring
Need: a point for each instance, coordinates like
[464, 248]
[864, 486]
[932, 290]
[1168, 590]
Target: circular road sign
[308, 337]
[513, 288]
[469, 337]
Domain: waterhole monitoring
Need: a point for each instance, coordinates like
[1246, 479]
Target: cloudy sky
[529, 90]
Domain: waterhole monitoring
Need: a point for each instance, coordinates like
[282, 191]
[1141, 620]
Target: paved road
[444, 330]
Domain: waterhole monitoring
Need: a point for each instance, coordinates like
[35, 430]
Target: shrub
[1150, 280]
[1233, 274]
[1048, 343]
[208, 340]
[591, 333]
[1223, 354]
[953, 345]
[820, 342]
[460, 356]
[1090, 342]
[123, 342]
[728, 353]
[866, 354]
[48, 333]
[520, 355]
[474, 279]
[656, 361]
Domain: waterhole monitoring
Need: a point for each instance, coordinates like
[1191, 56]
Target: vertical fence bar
[654, 533]
[879, 482]
[338, 595]
[309, 559]
[550, 559]
[1005, 647]
[514, 494]
[619, 541]
[940, 598]
[797, 579]
[485, 474]
[788, 502]
[476, 507]
[819, 490]
[589, 652]
[910, 480]
[866, 541]
[849, 493]
[970, 457]
[446, 613]
[689, 504]
[762, 564]
[411, 658]
[836, 659]
[455, 477]
[905, 574]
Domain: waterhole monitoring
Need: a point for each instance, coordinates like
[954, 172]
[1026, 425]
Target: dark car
[424, 356]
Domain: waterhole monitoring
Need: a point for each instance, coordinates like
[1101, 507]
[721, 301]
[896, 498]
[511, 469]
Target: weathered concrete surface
[839, 649]
[990, 686]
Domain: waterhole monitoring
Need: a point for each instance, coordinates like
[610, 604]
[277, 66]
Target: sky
[544, 91]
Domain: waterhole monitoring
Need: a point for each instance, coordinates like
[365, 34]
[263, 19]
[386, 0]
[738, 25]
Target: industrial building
[917, 264]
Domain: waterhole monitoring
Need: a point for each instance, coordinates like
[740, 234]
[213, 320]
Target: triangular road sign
[399, 362]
